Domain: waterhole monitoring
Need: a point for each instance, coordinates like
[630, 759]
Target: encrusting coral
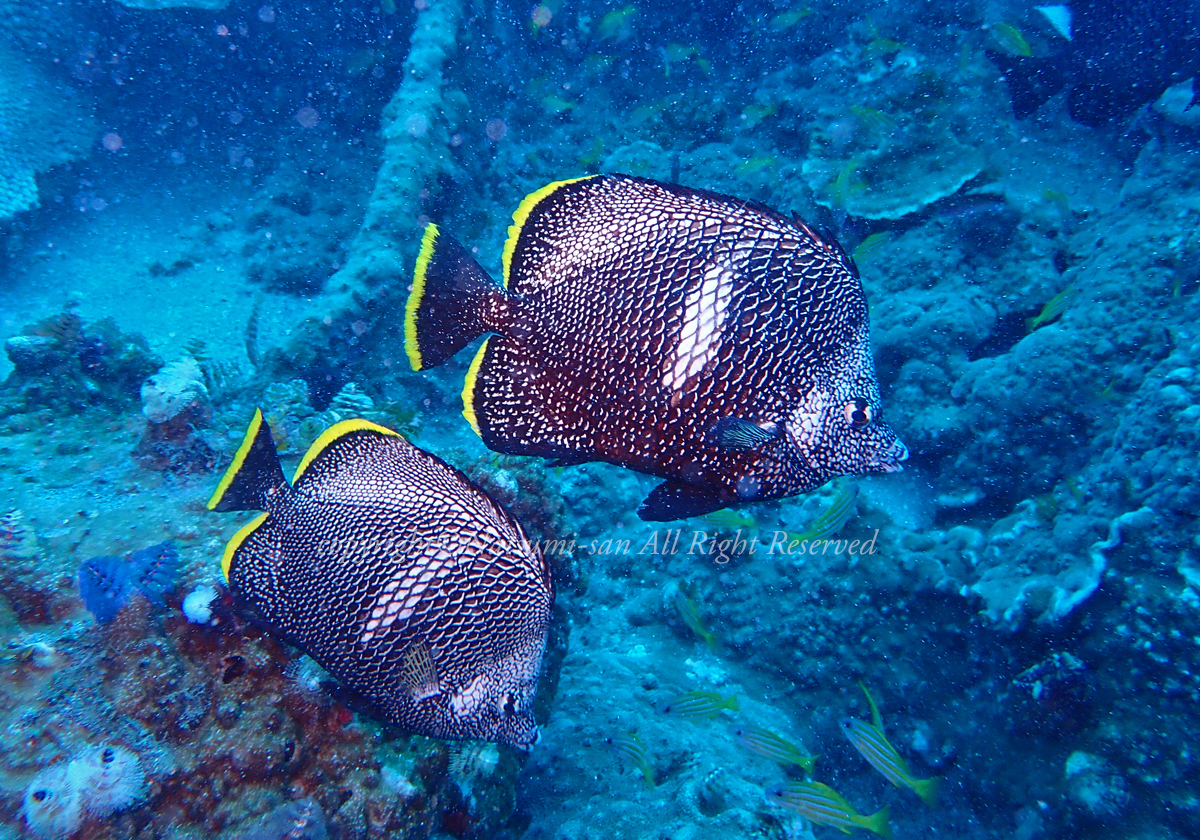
[42, 125]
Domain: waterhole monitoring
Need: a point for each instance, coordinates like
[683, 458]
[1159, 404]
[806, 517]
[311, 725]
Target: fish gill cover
[237, 226]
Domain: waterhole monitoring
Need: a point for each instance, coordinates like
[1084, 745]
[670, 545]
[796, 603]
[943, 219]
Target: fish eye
[510, 705]
[858, 414]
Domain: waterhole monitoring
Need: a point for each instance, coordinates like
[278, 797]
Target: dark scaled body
[401, 578]
[711, 342]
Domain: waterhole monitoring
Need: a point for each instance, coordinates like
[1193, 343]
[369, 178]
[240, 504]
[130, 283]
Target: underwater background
[216, 206]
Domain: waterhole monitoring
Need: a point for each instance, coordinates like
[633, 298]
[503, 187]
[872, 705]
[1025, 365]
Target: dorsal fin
[876, 720]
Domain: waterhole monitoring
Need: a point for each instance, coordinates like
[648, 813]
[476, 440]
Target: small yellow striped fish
[766, 743]
[834, 517]
[873, 119]
[1010, 39]
[788, 19]
[689, 614]
[847, 181]
[631, 748]
[869, 740]
[871, 244]
[729, 520]
[699, 704]
[1052, 311]
[823, 805]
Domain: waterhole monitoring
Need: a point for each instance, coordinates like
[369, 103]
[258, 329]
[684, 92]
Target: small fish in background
[775, 747]
[107, 583]
[400, 577]
[873, 119]
[730, 520]
[706, 340]
[867, 248]
[1052, 311]
[617, 25]
[1010, 40]
[873, 745]
[786, 20]
[830, 521]
[847, 182]
[689, 614]
[699, 705]
[675, 54]
[823, 805]
[631, 748]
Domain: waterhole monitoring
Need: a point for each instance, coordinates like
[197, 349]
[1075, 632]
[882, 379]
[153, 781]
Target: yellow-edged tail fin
[453, 301]
[255, 474]
[927, 789]
[877, 822]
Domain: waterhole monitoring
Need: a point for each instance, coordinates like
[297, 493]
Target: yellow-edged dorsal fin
[521, 214]
[335, 432]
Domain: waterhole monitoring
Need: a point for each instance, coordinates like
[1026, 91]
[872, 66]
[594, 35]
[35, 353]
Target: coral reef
[175, 403]
[914, 134]
[1028, 621]
[63, 366]
[43, 124]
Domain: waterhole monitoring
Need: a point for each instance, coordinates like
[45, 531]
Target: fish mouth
[891, 460]
[527, 746]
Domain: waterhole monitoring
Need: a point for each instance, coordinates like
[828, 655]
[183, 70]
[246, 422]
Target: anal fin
[674, 500]
[569, 461]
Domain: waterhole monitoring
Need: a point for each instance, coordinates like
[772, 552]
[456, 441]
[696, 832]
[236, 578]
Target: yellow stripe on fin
[236, 542]
[333, 433]
[411, 348]
[239, 459]
[521, 214]
[468, 393]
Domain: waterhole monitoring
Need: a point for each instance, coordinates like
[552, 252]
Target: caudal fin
[878, 823]
[453, 301]
[927, 789]
[255, 474]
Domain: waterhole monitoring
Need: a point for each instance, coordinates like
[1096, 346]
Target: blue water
[205, 211]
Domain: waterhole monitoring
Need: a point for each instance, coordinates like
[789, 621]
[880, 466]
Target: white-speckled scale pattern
[381, 548]
[645, 313]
